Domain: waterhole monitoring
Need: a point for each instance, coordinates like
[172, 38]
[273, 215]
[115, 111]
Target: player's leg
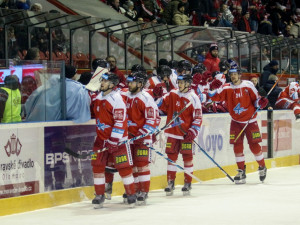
[187, 156]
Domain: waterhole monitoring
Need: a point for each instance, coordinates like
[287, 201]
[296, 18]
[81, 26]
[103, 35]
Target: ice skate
[262, 171]
[297, 118]
[125, 198]
[98, 201]
[131, 200]
[141, 198]
[170, 188]
[108, 191]
[186, 189]
[240, 178]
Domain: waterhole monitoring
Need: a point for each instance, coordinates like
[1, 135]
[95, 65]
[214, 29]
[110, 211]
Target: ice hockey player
[242, 99]
[142, 113]
[180, 138]
[289, 99]
[111, 122]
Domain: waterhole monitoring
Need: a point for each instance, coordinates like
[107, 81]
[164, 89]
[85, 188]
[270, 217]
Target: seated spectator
[130, 12]
[115, 4]
[295, 30]
[179, 17]
[23, 4]
[149, 11]
[264, 90]
[227, 17]
[237, 16]
[244, 24]
[271, 68]
[171, 9]
[10, 100]
[36, 7]
[265, 26]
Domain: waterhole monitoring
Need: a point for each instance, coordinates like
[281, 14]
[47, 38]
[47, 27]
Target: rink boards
[36, 173]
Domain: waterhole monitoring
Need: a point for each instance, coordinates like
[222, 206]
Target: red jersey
[290, 92]
[142, 112]
[191, 117]
[152, 82]
[110, 114]
[241, 100]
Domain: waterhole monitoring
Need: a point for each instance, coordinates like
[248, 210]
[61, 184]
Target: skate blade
[108, 196]
[98, 206]
[169, 193]
[132, 205]
[240, 181]
[141, 202]
[186, 193]
[125, 201]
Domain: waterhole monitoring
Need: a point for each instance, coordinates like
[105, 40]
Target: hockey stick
[214, 161]
[209, 157]
[274, 85]
[155, 131]
[175, 164]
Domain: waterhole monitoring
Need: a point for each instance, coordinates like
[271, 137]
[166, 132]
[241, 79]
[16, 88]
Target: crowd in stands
[276, 17]
[270, 17]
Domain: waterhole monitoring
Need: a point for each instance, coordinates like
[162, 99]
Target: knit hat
[273, 63]
[70, 71]
[213, 47]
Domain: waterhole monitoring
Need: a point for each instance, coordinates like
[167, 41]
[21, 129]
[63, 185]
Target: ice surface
[275, 202]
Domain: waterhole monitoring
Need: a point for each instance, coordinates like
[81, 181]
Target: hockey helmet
[114, 78]
[224, 65]
[173, 64]
[163, 71]
[138, 77]
[199, 68]
[185, 77]
[184, 65]
[138, 68]
[99, 62]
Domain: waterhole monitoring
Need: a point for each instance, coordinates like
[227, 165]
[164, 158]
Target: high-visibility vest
[12, 111]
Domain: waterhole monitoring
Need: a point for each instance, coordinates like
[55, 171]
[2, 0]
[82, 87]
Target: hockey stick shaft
[175, 164]
[274, 85]
[156, 131]
[214, 161]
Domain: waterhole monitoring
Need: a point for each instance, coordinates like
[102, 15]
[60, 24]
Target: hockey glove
[112, 145]
[197, 78]
[158, 91]
[263, 102]
[139, 141]
[190, 135]
[215, 84]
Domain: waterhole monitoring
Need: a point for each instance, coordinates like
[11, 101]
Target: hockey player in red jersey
[111, 121]
[180, 138]
[142, 113]
[289, 99]
[242, 99]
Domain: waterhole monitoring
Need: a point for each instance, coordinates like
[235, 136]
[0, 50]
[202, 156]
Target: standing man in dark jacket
[264, 90]
[269, 69]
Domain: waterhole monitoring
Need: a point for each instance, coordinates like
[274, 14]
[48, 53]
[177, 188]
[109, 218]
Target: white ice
[274, 202]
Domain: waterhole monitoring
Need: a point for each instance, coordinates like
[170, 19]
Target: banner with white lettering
[21, 161]
[62, 170]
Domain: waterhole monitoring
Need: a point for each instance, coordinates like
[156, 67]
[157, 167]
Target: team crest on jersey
[150, 112]
[119, 114]
[101, 126]
[238, 109]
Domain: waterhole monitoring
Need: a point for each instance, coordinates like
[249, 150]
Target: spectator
[8, 4]
[244, 24]
[130, 12]
[237, 16]
[227, 17]
[212, 61]
[114, 69]
[264, 90]
[295, 30]
[265, 26]
[149, 10]
[23, 4]
[171, 9]
[36, 7]
[10, 100]
[179, 17]
[269, 69]
[115, 4]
